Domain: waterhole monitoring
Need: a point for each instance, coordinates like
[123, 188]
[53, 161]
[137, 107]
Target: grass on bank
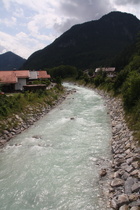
[20, 104]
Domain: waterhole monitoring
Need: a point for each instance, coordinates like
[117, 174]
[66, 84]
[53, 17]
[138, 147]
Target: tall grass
[16, 103]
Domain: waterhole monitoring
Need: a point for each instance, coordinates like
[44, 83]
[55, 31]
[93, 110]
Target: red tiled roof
[8, 77]
[12, 76]
[22, 73]
[43, 75]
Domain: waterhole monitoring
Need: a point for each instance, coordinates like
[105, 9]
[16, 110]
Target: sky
[30, 25]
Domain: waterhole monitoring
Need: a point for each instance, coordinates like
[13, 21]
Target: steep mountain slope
[10, 61]
[90, 44]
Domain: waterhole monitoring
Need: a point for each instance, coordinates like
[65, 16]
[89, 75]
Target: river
[53, 164]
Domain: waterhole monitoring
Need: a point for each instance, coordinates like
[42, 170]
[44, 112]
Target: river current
[53, 164]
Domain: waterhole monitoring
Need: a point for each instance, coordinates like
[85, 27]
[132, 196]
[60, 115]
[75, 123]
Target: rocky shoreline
[23, 121]
[124, 171]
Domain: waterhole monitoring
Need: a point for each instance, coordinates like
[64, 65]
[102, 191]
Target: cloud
[129, 6]
[32, 24]
[75, 12]
[60, 15]
[64, 25]
[20, 44]
[2, 49]
[35, 5]
[9, 23]
[86, 10]
[19, 12]
[6, 4]
[124, 2]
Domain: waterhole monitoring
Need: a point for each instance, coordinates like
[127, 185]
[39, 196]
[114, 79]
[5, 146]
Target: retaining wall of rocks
[124, 190]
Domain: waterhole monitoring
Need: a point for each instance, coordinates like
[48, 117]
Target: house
[34, 75]
[43, 75]
[16, 79]
[39, 75]
[22, 77]
[110, 71]
[34, 88]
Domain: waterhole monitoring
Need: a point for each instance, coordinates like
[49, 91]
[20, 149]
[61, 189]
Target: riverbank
[17, 123]
[120, 178]
[124, 172]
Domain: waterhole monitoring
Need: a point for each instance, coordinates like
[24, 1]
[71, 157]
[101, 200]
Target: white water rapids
[52, 165]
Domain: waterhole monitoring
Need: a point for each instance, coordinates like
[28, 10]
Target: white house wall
[19, 85]
[33, 75]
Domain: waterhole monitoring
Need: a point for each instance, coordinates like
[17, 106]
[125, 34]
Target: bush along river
[56, 163]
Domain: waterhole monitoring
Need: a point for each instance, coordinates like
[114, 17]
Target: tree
[63, 71]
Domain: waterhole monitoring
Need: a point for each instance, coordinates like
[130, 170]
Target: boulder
[135, 173]
[72, 118]
[124, 207]
[117, 182]
[136, 187]
[125, 175]
[135, 208]
[2, 142]
[122, 200]
[129, 160]
[128, 185]
[118, 127]
[135, 204]
[129, 169]
[133, 197]
[113, 203]
[135, 164]
[103, 172]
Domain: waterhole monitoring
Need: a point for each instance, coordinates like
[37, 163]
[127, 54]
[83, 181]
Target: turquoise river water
[52, 165]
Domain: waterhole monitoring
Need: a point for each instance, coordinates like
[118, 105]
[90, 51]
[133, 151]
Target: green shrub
[45, 82]
[131, 89]
[99, 79]
[120, 79]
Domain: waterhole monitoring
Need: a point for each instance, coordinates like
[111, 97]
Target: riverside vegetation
[20, 110]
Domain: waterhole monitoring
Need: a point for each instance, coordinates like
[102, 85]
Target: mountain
[91, 44]
[10, 61]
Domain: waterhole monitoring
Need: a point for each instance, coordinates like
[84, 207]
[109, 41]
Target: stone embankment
[19, 122]
[124, 174]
